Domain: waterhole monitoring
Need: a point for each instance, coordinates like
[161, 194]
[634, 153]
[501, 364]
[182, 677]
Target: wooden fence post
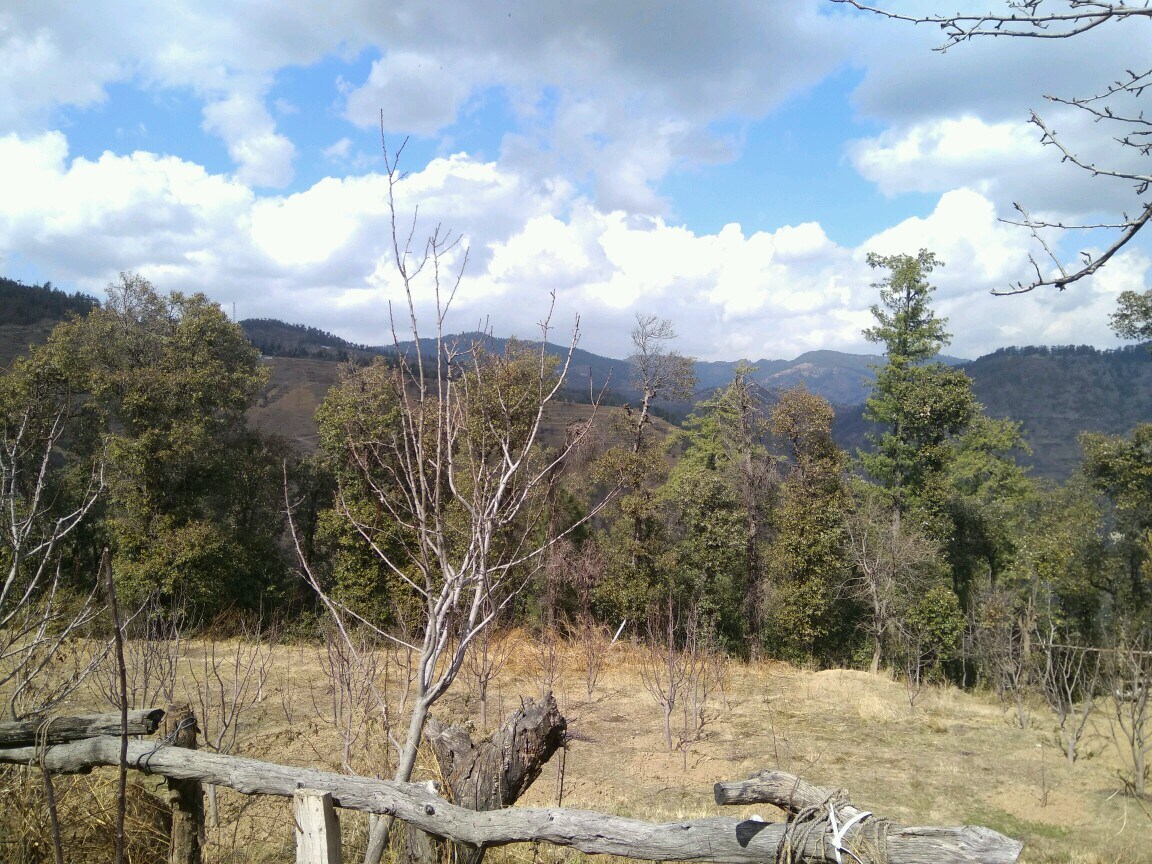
[317, 827]
[185, 796]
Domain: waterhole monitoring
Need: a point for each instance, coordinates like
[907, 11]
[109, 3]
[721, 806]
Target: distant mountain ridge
[1055, 393]
[29, 312]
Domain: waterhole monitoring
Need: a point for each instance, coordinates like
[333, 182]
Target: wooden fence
[822, 825]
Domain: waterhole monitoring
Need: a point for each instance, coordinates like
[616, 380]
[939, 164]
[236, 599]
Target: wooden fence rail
[823, 825]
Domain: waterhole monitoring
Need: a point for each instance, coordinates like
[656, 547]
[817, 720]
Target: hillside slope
[1056, 394]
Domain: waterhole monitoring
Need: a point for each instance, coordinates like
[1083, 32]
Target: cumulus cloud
[410, 93]
[323, 256]
[604, 102]
[262, 157]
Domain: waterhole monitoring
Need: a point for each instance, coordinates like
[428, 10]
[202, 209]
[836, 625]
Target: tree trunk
[489, 775]
[380, 825]
[187, 795]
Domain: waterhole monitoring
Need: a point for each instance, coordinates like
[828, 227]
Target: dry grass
[953, 758]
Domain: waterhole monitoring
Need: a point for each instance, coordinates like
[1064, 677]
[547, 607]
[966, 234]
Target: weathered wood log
[185, 795]
[796, 796]
[317, 828]
[717, 839]
[57, 730]
[786, 791]
[491, 774]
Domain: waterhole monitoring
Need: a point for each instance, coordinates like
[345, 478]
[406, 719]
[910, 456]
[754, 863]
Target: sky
[726, 165]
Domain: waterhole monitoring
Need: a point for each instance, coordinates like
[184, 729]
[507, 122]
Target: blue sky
[725, 165]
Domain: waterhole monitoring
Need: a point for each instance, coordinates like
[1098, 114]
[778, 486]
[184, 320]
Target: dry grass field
[952, 758]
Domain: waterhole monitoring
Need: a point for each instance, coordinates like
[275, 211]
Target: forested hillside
[1057, 393]
[29, 312]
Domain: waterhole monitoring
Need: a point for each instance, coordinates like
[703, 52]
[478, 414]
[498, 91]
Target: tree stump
[185, 796]
[488, 775]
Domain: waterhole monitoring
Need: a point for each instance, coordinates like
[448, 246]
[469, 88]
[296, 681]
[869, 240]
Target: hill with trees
[1060, 392]
[1055, 393]
[29, 312]
[434, 503]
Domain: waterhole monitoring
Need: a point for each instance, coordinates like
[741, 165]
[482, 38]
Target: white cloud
[339, 150]
[410, 92]
[608, 100]
[932, 155]
[322, 256]
[263, 157]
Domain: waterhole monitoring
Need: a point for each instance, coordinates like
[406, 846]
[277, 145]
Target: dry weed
[951, 760]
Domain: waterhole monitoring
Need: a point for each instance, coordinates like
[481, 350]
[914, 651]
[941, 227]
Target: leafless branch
[457, 473]
[36, 622]
[1032, 19]
[1025, 19]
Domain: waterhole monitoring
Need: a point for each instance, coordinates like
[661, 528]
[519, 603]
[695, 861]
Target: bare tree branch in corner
[1116, 106]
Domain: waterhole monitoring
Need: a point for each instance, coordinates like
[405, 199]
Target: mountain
[1057, 393]
[278, 339]
[1054, 393]
[842, 379]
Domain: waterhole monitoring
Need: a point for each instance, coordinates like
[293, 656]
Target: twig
[118, 636]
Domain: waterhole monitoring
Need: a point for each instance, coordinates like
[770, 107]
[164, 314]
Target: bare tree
[1115, 106]
[1068, 681]
[657, 371]
[888, 560]
[489, 652]
[682, 666]
[1128, 672]
[1002, 640]
[459, 475]
[36, 409]
[155, 648]
[227, 682]
[665, 669]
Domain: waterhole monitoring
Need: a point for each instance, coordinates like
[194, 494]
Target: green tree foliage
[192, 507]
[893, 564]
[920, 404]
[943, 466]
[986, 494]
[355, 421]
[1133, 318]
[635, 548]
[1064, 563]
[806, 561]
[1121, 468]
[417, 477]
[736, 424]
[706, 566]
[930, 633]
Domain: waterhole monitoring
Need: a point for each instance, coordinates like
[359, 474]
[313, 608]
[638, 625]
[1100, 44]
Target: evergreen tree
[715, 504]
[193, 506]
[920, 404]
[807, 555]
